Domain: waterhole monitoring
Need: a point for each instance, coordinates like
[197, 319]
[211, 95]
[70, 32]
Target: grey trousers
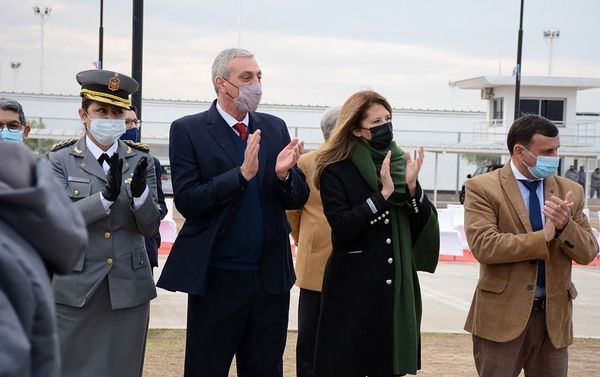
[531, 351]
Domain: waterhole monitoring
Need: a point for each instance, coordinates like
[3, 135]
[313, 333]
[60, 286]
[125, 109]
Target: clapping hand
[112, 188]
[413, 167]
[249, 167]
[288, 157]
[138, 181]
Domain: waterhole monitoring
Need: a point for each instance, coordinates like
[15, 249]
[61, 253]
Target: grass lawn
[444, 355]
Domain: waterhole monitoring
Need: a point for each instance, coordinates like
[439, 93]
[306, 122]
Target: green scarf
[406, 352]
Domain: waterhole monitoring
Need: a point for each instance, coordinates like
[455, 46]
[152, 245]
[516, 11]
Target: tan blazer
[500, 235]
[311, 232]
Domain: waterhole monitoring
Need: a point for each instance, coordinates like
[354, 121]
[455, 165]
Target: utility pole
[518, 67]
[137, 53]
[551, 35]
[44, 13]
[101, 37]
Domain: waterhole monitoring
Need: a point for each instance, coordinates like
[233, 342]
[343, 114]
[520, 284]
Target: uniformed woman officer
[383, 230]
[102, 305]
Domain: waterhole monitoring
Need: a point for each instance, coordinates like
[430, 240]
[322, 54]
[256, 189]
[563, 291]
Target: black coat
[355, 326]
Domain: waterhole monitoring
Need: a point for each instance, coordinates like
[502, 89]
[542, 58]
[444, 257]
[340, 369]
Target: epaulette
[139, 146]
[63, 144]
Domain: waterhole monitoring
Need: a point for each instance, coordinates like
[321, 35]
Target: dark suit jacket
[153, 242]
[207, 191]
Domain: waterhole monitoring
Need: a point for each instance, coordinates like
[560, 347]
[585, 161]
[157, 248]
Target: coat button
[390, 260]
[82, 165]
[109, 261]
[107, 235]
[530, 287]
[76, 192]
[388, 282]
[388, 241]
[387, 221]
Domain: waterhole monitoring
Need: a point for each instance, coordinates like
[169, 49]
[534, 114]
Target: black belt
[539, 304]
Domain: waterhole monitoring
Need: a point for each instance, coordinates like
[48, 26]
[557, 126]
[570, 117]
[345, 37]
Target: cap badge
[113, 83]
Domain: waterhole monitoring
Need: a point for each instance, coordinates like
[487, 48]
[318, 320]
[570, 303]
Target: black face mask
[381, 136]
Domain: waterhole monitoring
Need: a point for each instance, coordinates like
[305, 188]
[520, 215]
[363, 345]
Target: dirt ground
[444, 355]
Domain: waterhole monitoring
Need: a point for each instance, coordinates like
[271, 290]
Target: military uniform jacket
[499, 232]
[116, 237]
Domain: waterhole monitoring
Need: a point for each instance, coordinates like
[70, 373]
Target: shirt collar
[231, 121]
[96, 151]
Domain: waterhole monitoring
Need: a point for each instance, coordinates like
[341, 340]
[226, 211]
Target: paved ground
[446, 299]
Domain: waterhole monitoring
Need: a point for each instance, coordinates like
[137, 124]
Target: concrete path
[446, 299]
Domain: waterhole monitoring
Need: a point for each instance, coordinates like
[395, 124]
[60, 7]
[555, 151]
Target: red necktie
[241, 128]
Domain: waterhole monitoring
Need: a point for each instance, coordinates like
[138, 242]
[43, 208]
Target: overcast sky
[311, 52]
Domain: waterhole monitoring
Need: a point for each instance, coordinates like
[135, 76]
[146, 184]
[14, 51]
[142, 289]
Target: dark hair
[524, 128]
[133, 108]
[12, 105]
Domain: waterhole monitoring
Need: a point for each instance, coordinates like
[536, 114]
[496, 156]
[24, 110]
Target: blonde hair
[342, 141]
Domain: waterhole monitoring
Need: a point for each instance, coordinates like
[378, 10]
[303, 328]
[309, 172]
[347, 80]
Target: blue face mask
[16, 137]
[131, 134]
[545, 166]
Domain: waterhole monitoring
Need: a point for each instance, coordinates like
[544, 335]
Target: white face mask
[107, 131]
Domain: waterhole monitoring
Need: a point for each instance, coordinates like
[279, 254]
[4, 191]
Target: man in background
[312, 235]
[13, 126]
[572, 174]
[132, 133]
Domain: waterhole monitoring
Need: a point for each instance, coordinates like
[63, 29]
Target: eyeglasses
[133, 122]
[12, 126]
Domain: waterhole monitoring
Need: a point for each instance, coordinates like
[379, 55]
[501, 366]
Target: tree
[39, 146]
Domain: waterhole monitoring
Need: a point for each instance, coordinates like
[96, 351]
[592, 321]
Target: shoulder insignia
[139, 146]
[63, 144]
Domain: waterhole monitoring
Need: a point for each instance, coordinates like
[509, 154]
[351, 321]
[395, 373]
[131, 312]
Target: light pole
[551, 35]
[15, 66]
[44, 13]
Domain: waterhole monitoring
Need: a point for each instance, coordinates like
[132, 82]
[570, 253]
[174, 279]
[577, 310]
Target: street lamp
[15, 66]
[551, 35]
[44, 13]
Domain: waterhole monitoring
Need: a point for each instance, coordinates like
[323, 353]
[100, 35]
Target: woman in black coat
[384, 229]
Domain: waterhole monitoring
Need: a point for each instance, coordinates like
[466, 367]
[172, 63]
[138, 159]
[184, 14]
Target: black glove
[112, 188]
[138, 181]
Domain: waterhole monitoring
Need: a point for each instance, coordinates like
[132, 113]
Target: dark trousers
[309, 306]
[531, 351]
[236, 317]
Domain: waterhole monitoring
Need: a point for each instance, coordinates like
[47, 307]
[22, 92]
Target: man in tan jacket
[312, 235]
[525, 226]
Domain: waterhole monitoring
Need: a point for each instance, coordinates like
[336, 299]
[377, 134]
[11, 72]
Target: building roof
[481, 82]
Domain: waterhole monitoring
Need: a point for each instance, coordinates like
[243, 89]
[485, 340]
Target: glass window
[498, 108]
[553, 110]
[529, 106]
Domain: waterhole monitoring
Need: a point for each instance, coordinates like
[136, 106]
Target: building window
[553, 110]
[498, 108]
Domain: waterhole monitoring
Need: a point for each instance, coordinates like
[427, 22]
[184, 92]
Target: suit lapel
[255, 124]
[549, 187]
[86, 160]
[219, 130]
[515, 199]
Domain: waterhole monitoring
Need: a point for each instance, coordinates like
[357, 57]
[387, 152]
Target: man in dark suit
[234, 174]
